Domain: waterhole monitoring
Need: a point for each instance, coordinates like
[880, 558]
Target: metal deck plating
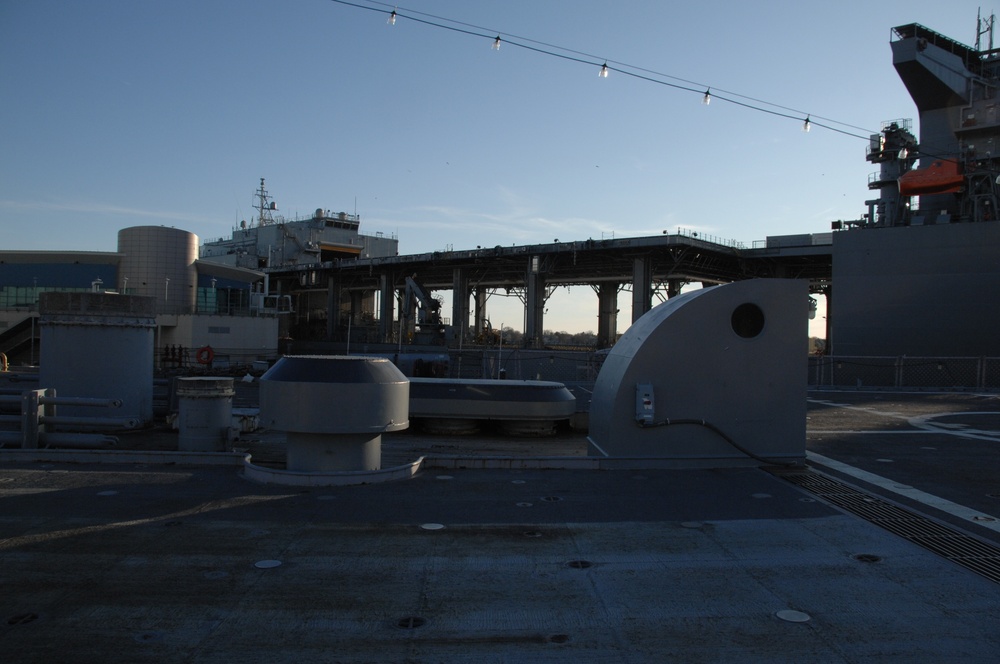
[154, 562]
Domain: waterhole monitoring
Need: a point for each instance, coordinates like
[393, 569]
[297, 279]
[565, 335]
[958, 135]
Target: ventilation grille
[969, 552]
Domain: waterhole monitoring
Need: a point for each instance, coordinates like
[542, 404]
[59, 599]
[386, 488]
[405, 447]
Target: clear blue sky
[120, 112]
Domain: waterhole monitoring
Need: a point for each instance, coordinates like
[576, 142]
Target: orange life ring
[205, 355]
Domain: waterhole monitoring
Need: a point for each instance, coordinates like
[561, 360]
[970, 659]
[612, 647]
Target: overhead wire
[642, 69]
[623, 68]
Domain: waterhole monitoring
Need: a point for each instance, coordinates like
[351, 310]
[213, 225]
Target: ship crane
[428, 327]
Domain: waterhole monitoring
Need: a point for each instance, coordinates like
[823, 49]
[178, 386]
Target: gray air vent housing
[705, 374]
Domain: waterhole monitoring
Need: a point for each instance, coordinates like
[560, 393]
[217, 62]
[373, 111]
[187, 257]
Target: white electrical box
[644, 406]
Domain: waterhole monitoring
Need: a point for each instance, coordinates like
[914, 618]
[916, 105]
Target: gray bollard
[205, 413]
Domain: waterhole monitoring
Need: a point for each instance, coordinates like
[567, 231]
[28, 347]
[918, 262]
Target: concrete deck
[190, 563]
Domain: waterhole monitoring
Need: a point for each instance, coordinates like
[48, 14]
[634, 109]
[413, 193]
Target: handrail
[38, 413]
[713, 239]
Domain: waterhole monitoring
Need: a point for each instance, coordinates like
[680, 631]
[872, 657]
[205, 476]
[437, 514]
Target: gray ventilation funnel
[334, 409]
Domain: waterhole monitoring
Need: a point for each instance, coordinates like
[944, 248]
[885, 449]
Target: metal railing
[698, 235]
[856, 372]
[945, 373]
[177, 357]
[38, 417]
[519, 364]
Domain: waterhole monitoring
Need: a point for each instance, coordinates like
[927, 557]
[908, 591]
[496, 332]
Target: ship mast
[264, 206]
[984, 26]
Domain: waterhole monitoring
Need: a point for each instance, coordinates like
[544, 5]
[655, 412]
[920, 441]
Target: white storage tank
[159, 262]
[99, 345]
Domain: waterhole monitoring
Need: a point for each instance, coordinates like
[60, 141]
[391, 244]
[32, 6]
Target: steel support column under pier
[642, 286]
[534, 303]
[480, 329]
[607, 316]
[332, 305]
[388, 295]
[460, 302]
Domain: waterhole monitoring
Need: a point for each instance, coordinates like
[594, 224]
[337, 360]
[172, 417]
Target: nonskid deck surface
[197, 564]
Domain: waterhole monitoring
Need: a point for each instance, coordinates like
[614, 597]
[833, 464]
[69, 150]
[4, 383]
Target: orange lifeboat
[941, 177]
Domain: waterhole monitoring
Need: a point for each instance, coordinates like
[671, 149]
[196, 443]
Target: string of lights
[605, 66]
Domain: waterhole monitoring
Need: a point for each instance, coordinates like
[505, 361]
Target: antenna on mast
[984, 26]
[264, 206]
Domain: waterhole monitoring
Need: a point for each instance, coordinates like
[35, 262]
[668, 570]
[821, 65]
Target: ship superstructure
[951, 173]
[917, 275]
[271, 241]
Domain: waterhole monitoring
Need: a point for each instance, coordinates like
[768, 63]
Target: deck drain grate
[411, 622]
[148, 637]
[971, 553]
[579, 564]
[867, 558]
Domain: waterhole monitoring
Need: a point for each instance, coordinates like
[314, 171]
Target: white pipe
[81, 441]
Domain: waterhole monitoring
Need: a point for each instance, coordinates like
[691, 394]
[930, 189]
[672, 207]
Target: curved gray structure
[523, 407]
[711, 378]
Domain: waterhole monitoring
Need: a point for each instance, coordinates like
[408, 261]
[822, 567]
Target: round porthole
[748, 320]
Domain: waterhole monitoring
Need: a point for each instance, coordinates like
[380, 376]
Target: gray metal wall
[99, 345]
[918, 290]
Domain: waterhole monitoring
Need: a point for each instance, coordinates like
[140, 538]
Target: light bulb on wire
[605, 70]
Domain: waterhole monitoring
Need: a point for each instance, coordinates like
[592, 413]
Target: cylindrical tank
[205, 413]
[99, 345]
[334, 409]
[159, 262]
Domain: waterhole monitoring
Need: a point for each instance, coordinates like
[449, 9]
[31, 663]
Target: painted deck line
[917, 495]
[870, 432]
[921, 423]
